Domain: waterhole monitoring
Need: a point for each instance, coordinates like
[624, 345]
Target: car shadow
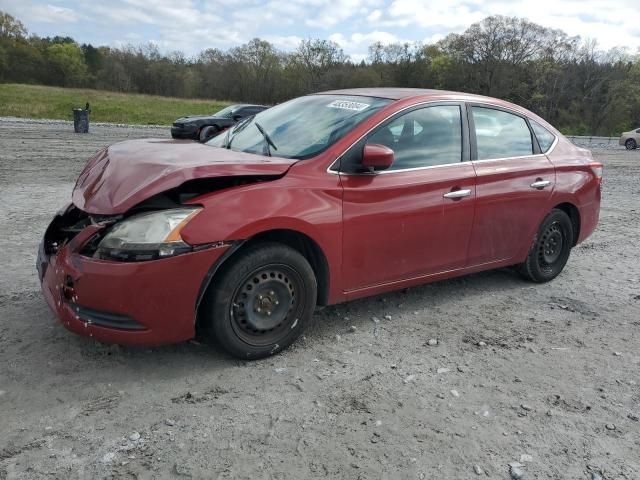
[327, 321]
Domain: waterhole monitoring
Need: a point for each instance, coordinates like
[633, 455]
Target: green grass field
[34, 101]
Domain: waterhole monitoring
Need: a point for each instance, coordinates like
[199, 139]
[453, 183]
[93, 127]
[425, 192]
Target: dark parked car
[204, 127]
[320, 200]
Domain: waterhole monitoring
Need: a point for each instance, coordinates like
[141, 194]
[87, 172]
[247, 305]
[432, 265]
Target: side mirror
[237, 117]
[377, 157]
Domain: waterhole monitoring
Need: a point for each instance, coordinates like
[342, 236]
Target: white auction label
[347, 105]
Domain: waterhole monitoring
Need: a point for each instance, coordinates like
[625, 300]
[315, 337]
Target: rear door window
[544, 136]
[500, 134]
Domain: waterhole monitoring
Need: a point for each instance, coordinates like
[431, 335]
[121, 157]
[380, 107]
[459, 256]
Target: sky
[194, 25]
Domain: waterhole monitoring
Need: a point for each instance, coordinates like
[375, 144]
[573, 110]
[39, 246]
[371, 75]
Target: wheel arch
[308, 248]
[574, 215]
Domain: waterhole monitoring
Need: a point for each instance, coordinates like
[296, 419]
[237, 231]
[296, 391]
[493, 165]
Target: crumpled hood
[126, 173]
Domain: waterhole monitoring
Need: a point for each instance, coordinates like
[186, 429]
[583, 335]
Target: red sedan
[316, 201]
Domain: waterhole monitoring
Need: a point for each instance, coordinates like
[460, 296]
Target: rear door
[415, 218]
[514, 183]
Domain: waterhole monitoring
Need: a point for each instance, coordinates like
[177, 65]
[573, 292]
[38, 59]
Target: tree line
[564, 79]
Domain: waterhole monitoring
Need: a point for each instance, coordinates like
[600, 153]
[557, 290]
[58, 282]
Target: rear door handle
[457, 194]
[540, 184]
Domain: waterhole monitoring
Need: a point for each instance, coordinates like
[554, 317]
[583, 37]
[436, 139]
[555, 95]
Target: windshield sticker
[347, 105]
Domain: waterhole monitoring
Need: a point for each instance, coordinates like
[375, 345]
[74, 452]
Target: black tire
[261, 302]
[207, 133]
[630, 144]
[550, 249]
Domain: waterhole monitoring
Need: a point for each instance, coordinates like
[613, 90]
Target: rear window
[544, 136]
[501, 134]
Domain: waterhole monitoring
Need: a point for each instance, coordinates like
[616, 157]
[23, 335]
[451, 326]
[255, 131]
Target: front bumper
[142, 303]
[184, 131]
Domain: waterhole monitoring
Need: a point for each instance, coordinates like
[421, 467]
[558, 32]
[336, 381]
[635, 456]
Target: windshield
[225, 112]
[299, 128]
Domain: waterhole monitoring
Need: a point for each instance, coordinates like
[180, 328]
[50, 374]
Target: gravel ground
[543, 375]
[599, 143]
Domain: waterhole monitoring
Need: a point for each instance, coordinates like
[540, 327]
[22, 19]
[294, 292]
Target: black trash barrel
[81, 120]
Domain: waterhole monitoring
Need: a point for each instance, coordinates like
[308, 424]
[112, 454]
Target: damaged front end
[113, 265]
[115, 293]
[100, 277]
[148, 231]
[65, 226]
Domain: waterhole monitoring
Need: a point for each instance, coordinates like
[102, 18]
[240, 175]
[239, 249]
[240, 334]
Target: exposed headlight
[147, 236]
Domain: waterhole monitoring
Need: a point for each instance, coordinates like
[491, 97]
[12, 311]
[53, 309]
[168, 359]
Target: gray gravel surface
[536, 379]
[600, 143]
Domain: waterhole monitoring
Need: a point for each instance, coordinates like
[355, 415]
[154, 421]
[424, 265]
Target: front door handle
[457, 194]
[540, 184]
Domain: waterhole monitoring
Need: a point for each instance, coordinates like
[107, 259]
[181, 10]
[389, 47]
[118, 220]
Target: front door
[415, 218]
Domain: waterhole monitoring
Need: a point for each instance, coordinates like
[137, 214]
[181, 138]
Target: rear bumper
[142, 303]
[590, 216]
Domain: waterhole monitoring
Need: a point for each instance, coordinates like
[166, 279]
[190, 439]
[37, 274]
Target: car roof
[393, 93]
[425, 94]
[386, 92]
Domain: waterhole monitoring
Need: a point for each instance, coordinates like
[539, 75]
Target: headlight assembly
[147, 236]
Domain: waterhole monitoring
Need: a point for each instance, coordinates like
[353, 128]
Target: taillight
[597, 168]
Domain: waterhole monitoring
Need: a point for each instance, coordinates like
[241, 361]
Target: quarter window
[544, 136]
[500, 134]
[424, 137]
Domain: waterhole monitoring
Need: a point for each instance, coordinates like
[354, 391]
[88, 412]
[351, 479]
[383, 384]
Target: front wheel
[207, 133]
[261, 302]
[630, 144]
[550, 249]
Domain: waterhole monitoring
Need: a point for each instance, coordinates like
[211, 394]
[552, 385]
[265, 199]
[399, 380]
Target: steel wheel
[550, 246]
[550, 249]
[261, 301]
[264, 306]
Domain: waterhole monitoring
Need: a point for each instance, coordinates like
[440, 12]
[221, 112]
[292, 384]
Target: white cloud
[601, 19]
[290, 42]
[431, 39]
[34, 11]
[374, 16]
[56, 14]
[193, 25]
[332, 12]
[357, 44]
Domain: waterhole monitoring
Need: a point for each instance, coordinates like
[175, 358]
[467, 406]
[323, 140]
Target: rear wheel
[631, 144]
[261, 302]
[207, 133]
[551, 248]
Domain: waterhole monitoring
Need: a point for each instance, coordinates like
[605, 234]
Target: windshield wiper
[266, 137]
[237, 128]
